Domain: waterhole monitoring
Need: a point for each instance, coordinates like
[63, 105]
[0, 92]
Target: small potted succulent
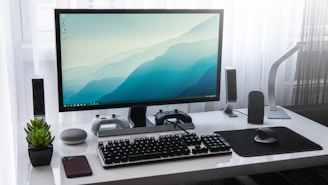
[39, 139]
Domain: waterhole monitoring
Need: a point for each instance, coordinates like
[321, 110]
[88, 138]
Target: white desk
[183, 171]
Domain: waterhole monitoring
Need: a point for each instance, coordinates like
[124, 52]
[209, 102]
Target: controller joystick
[161, 116]
[115, 121]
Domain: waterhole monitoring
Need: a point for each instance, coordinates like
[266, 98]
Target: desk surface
[176, 172]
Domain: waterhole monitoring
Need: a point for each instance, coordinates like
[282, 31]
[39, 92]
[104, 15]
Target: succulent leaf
[38, 133]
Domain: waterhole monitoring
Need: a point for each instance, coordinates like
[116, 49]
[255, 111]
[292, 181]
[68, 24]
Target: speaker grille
[255, 107]
[231, 84]
[38, 97]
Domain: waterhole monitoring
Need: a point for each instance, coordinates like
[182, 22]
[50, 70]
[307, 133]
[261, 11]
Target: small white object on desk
[73, 136]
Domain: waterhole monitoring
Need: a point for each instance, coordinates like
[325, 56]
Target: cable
[240, 112]
[177, 125]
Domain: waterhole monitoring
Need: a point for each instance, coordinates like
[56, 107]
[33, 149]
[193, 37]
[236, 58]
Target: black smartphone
[76, 166]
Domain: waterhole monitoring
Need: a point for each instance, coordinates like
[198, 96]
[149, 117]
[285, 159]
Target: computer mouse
[266, 135]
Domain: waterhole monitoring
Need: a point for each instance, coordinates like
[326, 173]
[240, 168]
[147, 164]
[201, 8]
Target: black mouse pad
[242, 142]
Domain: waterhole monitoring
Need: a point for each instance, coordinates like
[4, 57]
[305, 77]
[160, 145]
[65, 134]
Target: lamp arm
[273, 74]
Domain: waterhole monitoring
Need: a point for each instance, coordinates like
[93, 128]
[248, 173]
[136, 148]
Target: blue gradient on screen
[122, 58]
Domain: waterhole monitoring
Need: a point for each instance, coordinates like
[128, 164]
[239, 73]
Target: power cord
[177, 125]
[240, 112]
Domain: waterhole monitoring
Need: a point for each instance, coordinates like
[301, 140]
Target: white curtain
[312, 66]
[256, 34]
[8, 113]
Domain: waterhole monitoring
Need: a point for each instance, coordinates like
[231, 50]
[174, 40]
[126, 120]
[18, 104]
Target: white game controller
[114, 121]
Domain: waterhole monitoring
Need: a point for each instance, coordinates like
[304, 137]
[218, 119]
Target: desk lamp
[272, 112]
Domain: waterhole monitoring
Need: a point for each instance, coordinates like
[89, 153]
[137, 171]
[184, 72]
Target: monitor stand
[137, 116]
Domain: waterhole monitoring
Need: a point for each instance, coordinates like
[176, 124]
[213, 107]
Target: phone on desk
[76, 166]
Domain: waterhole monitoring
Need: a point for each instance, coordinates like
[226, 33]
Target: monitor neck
[137, 115]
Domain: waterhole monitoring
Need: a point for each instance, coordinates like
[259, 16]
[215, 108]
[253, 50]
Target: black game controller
[161, 116]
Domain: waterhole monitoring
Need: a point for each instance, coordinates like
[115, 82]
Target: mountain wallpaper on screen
[185, 65]
[169, 75]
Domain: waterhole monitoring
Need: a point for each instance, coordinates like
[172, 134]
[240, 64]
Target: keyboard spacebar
[151, 155]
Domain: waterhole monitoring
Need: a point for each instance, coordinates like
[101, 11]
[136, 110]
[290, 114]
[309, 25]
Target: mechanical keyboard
[114, 153]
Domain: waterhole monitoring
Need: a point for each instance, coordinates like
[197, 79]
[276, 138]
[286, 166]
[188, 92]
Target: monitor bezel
[62, 108]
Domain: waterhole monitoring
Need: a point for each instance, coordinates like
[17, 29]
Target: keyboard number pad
[215, 143]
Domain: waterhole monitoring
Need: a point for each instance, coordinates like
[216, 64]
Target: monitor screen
[124, 58]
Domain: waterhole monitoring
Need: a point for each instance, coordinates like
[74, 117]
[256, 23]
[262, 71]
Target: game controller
[114, 121]
[161, 116]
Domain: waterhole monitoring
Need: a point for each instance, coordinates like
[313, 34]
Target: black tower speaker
[231, 90]
[255, 107]
[38, 97]
[231, 85]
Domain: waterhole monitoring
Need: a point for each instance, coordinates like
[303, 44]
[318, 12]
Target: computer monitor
[110, 58]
